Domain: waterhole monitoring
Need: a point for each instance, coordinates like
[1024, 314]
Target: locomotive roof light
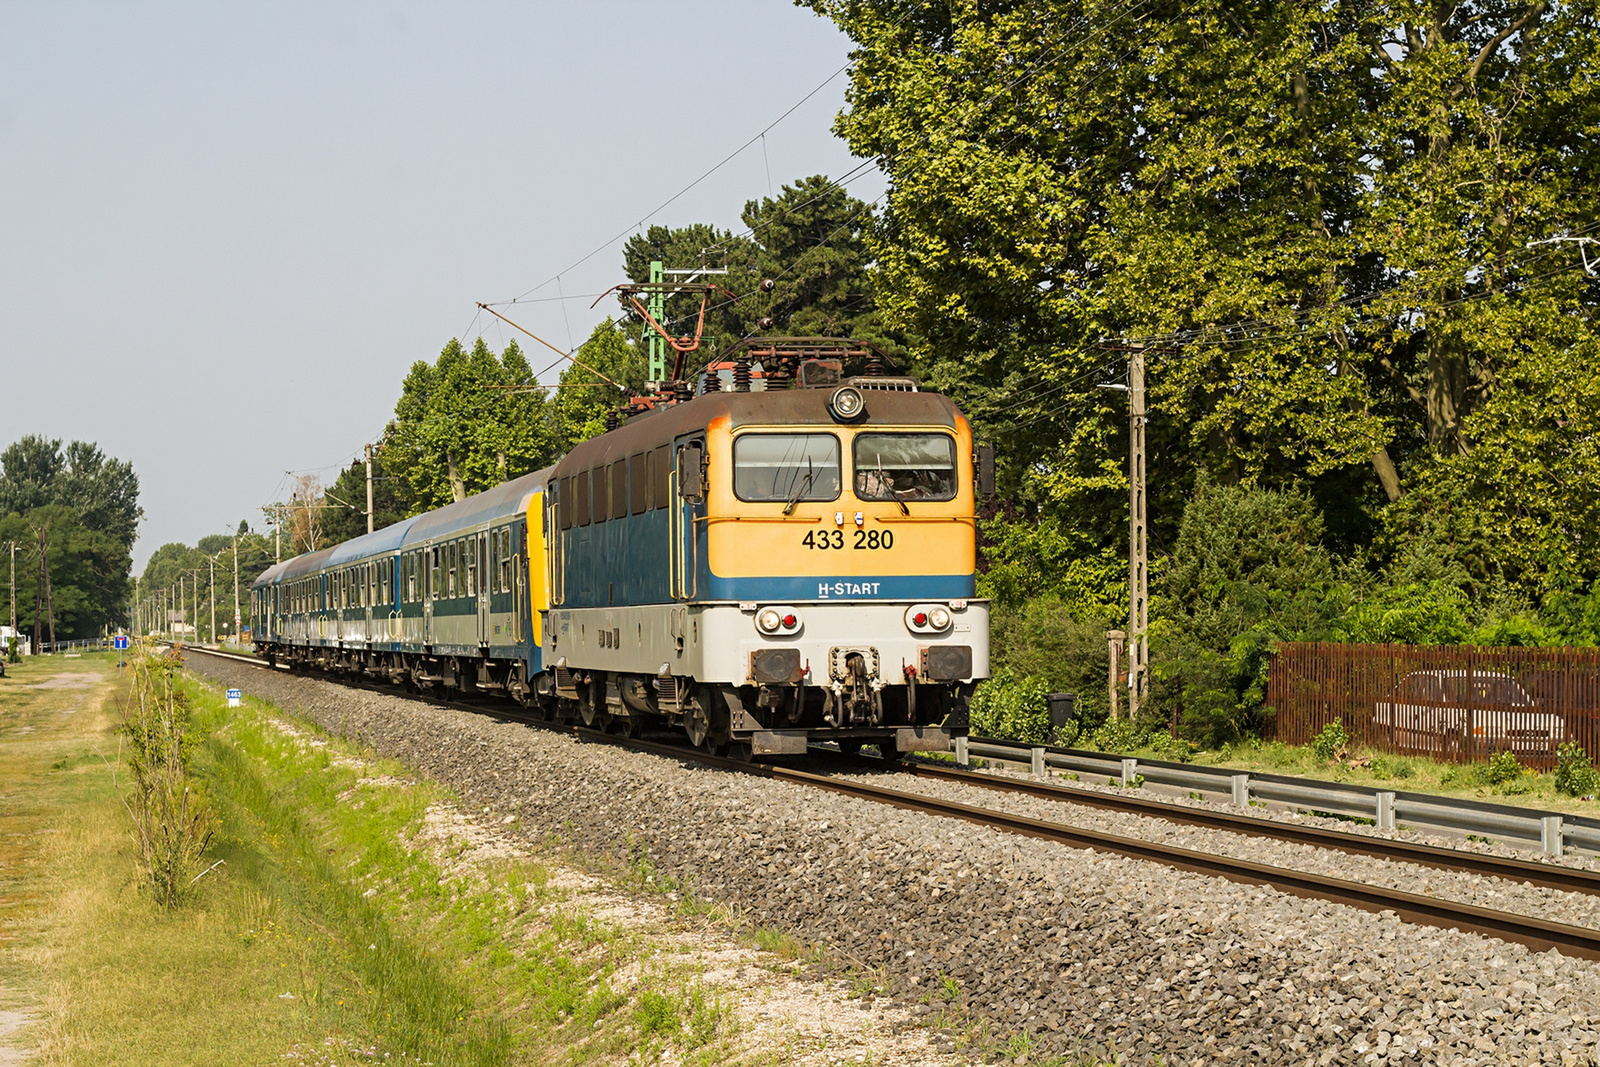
[928, 618]
[847, 404]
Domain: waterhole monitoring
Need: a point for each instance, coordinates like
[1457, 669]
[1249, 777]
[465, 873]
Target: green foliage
[1502, 769]
[1575, 774]
[78, 511]
[586, 393]
[173, 561]
[1341, 294]
[468, 422]
[393, 498]
[1330, 741]
[1046, 638]
[172, 822]
[1247, 570]
[810, 239]
[1010, 707]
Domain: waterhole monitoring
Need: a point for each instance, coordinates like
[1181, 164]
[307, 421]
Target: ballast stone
[1131, 960]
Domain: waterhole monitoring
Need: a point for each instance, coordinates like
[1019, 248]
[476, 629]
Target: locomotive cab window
[786, 466]
[905, 466]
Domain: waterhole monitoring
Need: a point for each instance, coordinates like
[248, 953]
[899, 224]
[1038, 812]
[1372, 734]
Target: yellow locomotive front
[836, 585]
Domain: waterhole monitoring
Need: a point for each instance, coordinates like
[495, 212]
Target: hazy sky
[228, 229]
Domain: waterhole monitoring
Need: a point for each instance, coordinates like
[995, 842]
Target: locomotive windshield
[786, 466]
[905, 466]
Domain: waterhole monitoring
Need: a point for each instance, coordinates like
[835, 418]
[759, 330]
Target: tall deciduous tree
[87, 507]
[1315, 216]
[468, 422]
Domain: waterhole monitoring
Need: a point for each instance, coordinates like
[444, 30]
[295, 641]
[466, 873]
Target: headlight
[928, 618]
[847, 403]
[778, 621]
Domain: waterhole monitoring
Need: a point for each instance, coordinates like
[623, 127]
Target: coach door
[430, 578]
[485, 583]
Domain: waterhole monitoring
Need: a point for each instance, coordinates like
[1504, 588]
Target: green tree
[810, 240]
[85, 506]
[1248, 569]
[393, 498]
[468, 422]
[585, 393]
[1332, 204]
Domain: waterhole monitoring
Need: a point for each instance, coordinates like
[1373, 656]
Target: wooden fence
[1453, 703]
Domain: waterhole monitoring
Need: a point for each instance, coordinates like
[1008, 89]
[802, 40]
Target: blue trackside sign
[234, 696]
[121, 643]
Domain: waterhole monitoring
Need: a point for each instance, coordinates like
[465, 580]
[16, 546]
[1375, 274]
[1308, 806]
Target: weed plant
[172, 823]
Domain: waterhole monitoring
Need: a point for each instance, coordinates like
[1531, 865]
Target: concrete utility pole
[13, 590]
[236, 586]
[369, 489]
[212, 563]
[1114, 642]
[1138, 544]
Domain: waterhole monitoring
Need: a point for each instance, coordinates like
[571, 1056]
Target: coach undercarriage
[747, 720]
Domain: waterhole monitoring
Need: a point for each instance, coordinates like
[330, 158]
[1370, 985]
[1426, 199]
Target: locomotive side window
[619, 489]
[905, 466]
[662, 476]
[563, 488]
[580, 499]
[638, 484]
[786, 466]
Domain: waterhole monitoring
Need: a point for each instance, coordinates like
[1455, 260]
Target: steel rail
[1538, 934]
[1547, 875]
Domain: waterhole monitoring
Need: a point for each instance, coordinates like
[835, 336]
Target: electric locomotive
[786, 557]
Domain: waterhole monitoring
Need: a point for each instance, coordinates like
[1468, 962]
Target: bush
[1008, 707]
[1330, 741]
[1502, 769]
[1575, 775]
[1051, 639]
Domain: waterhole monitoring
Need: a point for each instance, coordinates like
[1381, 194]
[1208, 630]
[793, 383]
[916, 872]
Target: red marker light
[789, 621]
[920, 618]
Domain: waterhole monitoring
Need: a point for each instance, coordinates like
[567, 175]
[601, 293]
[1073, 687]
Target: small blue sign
[234, 697]
[122, 642]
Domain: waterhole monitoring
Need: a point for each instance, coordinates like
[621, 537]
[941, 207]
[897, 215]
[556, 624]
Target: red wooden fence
[1454, 703]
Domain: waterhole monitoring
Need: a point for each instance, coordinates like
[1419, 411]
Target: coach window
[505, 563]
[905, 466]
[786, 466]
[662, 475]
[472, 571]
[383, 581]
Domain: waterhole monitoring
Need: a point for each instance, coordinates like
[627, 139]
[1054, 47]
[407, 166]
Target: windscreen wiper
[894, 494]
[805, 483]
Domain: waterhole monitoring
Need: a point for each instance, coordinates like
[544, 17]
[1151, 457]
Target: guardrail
[1554, 831]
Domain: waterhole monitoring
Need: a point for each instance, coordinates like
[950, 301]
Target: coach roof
[500, 502]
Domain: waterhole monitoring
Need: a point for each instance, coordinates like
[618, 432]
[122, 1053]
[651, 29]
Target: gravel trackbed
[1091, 955]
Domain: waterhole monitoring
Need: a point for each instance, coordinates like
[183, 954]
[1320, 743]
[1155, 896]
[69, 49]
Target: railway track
[1538, 934]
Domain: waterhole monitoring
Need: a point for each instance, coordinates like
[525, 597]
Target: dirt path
[42, 722]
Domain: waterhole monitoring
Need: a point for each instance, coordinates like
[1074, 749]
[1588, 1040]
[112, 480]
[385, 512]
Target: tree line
[1346, 238]
[68, 520]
